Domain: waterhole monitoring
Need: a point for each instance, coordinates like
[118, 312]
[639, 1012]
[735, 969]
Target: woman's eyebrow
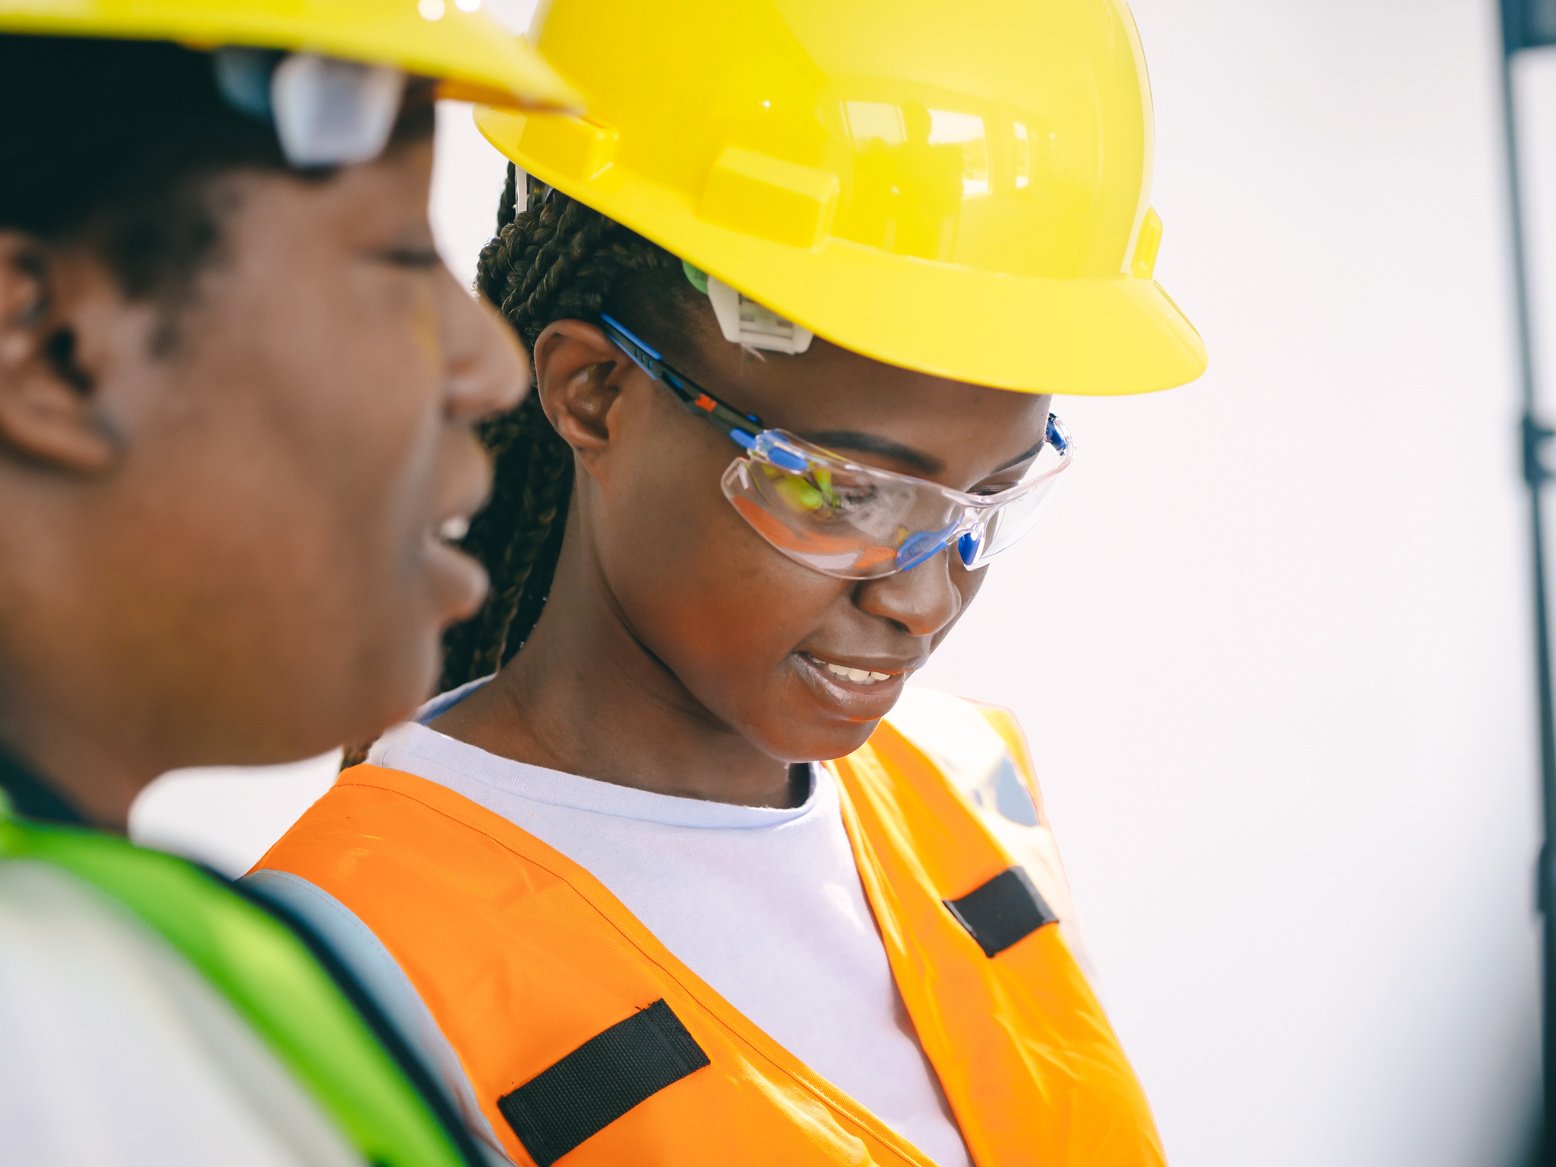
[1020, 458]
[863, 443]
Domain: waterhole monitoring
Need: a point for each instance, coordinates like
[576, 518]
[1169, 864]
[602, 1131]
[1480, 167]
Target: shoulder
[53, 927]
[115, 1047]
[978, 747]
[376, 973]
[982, 752]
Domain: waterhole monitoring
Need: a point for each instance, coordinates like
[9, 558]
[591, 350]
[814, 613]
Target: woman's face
[746, 631]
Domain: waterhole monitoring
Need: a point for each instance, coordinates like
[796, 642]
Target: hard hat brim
[470, 54]
[1089, 337]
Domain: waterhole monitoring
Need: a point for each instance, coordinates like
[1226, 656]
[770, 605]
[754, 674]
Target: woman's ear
[578, 374]
[49, 413]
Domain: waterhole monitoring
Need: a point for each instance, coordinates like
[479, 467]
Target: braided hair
[555, 260]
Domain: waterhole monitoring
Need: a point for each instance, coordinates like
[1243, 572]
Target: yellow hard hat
[958, 188]
[451, 41]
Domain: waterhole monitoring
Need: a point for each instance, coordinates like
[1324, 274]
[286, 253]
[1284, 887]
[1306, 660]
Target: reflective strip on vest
[534, 971]
[269, 978]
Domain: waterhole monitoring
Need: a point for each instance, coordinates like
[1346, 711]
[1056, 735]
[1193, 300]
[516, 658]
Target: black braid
[507, 206]
[555, 260]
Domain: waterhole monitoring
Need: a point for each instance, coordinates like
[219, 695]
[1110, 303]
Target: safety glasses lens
[1008, 525]
[855, 523]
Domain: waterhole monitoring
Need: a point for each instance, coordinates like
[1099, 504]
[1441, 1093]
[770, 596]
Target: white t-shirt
[764, 904]
[115, 1053]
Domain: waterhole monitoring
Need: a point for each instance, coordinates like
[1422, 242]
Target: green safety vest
[270, 977]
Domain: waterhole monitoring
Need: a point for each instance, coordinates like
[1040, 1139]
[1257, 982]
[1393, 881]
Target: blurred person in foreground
[237, 397]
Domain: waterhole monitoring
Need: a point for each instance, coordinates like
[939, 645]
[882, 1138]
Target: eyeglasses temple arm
[742, 427]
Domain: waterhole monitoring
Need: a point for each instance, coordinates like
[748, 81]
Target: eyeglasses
[326, 112]
[845, 519]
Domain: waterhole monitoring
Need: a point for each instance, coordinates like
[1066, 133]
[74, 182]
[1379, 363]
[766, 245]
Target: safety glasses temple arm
[743, 428]
[1058, 435]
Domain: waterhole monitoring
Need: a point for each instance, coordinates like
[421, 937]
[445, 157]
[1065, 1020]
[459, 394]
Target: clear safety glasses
[845, 519]
[326, 112]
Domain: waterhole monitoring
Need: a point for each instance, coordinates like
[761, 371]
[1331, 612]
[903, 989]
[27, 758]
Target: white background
[1273, 646]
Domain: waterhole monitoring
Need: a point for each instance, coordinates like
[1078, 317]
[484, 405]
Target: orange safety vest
[588, 1043]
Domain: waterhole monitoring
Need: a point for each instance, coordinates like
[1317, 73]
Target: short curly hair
[113, 146]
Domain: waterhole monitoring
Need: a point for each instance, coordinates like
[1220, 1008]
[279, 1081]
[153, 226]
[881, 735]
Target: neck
[91, 681]
[98, 785]
[74, 706]
[585, 697]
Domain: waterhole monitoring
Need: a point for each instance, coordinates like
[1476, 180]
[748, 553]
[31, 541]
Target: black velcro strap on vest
[1002, 911]
[600, 1081]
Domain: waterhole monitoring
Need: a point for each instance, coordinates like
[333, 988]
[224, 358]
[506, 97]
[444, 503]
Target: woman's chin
[821, 744]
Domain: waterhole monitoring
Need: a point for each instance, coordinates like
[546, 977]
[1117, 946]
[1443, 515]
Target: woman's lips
[459, 582]
[852, 690]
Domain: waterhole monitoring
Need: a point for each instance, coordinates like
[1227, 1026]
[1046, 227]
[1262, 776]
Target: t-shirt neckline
[417, 747]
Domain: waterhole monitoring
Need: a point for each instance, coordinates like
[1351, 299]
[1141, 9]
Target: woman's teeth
[858, 676]
[454, 529]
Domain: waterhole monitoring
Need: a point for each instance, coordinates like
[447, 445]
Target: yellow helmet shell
[957, 188]
[453, 42]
